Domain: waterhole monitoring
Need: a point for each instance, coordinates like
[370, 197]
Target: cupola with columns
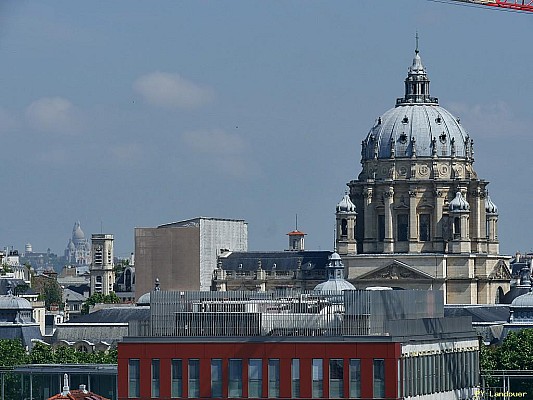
[418, 216]
[415, 159]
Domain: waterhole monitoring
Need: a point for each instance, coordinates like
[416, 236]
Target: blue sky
[127, 114]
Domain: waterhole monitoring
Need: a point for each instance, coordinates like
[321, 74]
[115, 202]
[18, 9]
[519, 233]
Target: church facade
[418, 216]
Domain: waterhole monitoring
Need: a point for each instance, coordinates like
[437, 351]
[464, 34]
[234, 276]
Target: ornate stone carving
[500, 272]
[395, 271]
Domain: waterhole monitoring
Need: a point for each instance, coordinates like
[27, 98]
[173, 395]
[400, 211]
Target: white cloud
[489, 120]
[54, 114]
[172, 90]
[221, 151]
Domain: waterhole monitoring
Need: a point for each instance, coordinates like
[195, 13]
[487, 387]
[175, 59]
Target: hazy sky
[131, 114]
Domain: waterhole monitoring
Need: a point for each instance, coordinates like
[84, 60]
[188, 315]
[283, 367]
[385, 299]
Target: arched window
[456, 228]
[127, 279]
[344, 227]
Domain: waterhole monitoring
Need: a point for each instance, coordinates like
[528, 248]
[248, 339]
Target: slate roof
[72, 295]
[90, 333]
[493, 313]
[106, 325]
[284, 260]
[23, 332]
[113, 314]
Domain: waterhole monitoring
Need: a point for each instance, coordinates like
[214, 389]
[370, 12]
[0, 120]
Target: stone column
[437, 220]
[413, 223]
[388, 243]
[369, 220]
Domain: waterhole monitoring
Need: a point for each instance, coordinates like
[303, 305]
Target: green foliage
[51, 294]
[40, 354]
[99, 298]
[6, 268]
[516, 351]
[12, 352]
[121, 265]
[21, 289]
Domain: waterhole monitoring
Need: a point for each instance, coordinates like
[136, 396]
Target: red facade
[366, 352]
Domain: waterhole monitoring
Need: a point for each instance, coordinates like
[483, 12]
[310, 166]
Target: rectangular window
[355, 378]
[134, 375]
[424, 227]
[295, 378]
[379, 378]
[336, 378]
[273, 378]
[381, 228]
[318, 376]
[403, 227]
[177, 383]
[194, 378]
[155, 377]
[255, 377]
[235, 378]
[216, 377]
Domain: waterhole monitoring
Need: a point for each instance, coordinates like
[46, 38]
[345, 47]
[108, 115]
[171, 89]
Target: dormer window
[405, 120]
[403, 138]
[442, 138]
[438, 120]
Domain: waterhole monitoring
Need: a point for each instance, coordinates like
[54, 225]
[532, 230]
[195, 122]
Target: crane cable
[477, 5]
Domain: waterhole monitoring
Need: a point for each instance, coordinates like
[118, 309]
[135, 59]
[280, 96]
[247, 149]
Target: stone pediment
[396, 270]
[500, 271]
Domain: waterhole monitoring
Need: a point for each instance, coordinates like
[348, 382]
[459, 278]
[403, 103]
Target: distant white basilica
[418, 216]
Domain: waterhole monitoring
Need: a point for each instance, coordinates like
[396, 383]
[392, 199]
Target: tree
[12, 352]
[41, 353]
[516, 351]
[99, 298]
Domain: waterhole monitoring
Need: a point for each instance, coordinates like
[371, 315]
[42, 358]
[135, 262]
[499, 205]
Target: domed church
[418, 216]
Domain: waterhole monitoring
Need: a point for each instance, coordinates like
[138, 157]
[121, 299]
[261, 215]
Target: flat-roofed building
[183, 255]
[393, 344]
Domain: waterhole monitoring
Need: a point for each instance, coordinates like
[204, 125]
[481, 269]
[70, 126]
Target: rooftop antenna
[296, 221]
[416, 36]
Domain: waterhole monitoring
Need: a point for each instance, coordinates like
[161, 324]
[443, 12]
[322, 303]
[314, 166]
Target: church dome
[71, 245]
[144, 300]
[77, 233]
[346, 205]
[459, 203]
[526, 300]
[490, 207]
[10, 302]
[417, 126]
[336, 281]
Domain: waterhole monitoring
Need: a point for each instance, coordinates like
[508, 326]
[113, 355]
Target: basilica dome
[77, 233]
[417, 126]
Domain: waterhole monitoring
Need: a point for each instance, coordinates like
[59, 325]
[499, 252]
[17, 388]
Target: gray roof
[525, 300]
[113, 315]
[417, 125]
[283, 260]
[25, 332]
[71, 295]
[91, 333]
[479, 314]
[10, 302]
[400, 125]
[106, 325]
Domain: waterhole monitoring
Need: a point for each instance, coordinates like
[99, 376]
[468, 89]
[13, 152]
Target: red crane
[517, 5]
